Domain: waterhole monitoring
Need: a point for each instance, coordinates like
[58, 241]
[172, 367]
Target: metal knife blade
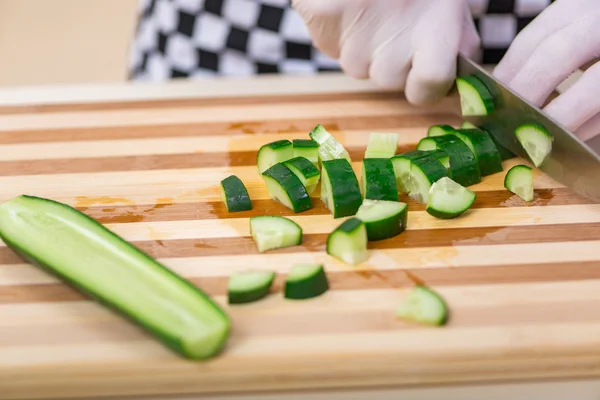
[571, 162]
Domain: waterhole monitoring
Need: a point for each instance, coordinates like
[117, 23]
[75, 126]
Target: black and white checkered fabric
[202, 38]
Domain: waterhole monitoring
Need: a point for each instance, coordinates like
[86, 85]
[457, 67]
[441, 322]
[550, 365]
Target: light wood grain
[522, 279]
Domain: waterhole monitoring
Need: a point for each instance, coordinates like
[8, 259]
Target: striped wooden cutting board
[522, 280]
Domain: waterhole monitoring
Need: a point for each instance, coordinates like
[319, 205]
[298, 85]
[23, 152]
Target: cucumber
[484, 149]
[443, 157]
[305, 282]
[401, 164]
[383, 219]
[234, 194]
[424, 306]
[536, 141]
[249, 286]
[382, 145]
[464, 168]
[448, 199]
[378, 179]
[424, 172]
[348, 242]
[519, 180]
[440, 130]
[468, 125]
[306, 171]
[285, 187]
[329, 148]
[475, 97]
[99, 263]
[306, 148]
[272, 153]
[274, 232]
[340, 191]
[494, 129]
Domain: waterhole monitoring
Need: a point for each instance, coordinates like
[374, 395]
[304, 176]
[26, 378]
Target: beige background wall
[64, 41]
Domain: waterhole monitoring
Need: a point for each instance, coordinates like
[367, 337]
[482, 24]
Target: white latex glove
[408, 45]
[564, 37]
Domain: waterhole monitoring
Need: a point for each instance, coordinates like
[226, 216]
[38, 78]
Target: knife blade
[571, 162]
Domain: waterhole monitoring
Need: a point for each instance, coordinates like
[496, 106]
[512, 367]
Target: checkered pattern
[200, 38]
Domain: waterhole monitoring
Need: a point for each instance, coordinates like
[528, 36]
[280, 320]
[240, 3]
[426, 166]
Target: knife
[571, 162]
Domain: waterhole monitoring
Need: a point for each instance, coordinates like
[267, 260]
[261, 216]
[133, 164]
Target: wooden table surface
[522, 280]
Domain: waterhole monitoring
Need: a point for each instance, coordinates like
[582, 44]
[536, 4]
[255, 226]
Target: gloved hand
[564, 37]
[408, 45]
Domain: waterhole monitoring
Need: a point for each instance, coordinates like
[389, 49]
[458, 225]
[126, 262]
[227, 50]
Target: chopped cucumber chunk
[378, 179]
[348, 242]
[340, 191]
[286, 188]
[383, 219]
[234, 194]
[448, 199]
[329, 147]
[273, 153]
[424, 306]
[475, 98]
[308, 149]
[305, 282]
[306, 171]
[249, 286]
[519, 180]
[382, 145]
[468, 125]
[440, 130]
[494, 129]
[424, 172]
[536, 141]
[274, 232]
[482, 145]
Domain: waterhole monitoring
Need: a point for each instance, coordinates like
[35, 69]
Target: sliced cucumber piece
[234, 194]
[440, 130]
[305, 282]
[378, 179]
[340, 191]
[286, 188]
[308, 149]
[475, 98]
[329, 147]
[468, 125]
[536, 141]
[494, 129]
[274, 232]
[249, 286]
[519, 180]
[383, 219]
[382, 145]
[401, 164]
[443, 157]
[424, 172]
[482, 145]
[424, 306]
[348, 242]
[306, 171]
[99, 263]
[464, 168]
[273, 153]
[448, 199]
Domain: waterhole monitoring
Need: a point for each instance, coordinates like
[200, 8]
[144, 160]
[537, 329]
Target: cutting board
[522, 280]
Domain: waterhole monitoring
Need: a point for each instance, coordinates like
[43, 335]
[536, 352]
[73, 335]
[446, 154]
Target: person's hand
[408, 45]
[563, 38]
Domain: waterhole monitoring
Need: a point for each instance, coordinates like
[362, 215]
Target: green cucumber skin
[305, 143]
[491, 128]
[464, 168]
[444, 215]
[345, 189]
[381, 230]
[349, 225]
[487, 154]
[307, 288]
[431, 167]
[169, 341]
[291, 185]
[380, 180]
[236, 193]
[304, 165]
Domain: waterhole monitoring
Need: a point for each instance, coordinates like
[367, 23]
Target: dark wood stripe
[282, 126]
[409, 239]
[143, 163]
[167, 211]
[199, 102]
[357, 280]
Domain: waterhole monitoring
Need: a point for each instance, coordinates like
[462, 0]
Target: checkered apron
[202, 38]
